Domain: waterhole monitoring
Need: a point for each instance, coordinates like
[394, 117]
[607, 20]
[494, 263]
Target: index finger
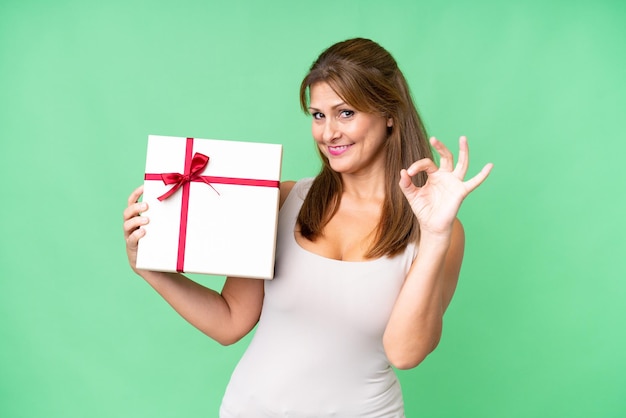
[134, 196]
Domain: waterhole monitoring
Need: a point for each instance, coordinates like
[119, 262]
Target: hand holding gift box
[213, 207]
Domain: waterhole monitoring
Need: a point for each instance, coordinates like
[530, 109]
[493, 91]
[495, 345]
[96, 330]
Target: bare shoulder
[285, 189]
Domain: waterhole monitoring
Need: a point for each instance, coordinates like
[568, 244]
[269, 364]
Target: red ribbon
[193, 167]
[198, 163]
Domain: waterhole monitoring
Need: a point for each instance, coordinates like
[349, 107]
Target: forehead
[323, 95]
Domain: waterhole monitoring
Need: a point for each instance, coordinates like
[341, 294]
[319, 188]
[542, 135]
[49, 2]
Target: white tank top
[317, 350]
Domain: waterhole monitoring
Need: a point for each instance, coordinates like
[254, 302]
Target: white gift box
[216, 219]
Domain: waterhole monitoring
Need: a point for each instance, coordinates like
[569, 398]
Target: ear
[389, 122]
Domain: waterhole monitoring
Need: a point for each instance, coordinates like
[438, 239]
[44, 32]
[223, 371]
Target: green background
[536, 328]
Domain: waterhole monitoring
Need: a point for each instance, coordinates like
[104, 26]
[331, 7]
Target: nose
[331, 131]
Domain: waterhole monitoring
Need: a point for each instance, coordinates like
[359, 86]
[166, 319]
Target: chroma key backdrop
[536, 327]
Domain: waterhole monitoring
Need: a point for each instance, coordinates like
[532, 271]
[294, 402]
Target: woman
[367, 260]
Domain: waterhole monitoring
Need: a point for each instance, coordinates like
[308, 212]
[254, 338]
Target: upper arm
[452, 263]
[244, 299]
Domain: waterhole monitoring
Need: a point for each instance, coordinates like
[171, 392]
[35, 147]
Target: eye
[317, 115]
[346, 113]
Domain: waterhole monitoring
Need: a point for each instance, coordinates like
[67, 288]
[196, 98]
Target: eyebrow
[340, 104]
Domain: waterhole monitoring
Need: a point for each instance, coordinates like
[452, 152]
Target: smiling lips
[338, 150]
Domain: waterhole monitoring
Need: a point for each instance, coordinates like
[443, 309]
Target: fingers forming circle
[425, 164]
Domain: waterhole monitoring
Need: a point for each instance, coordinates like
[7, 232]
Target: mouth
[338, 150]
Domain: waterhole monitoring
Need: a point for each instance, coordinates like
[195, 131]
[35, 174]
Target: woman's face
[351, 140]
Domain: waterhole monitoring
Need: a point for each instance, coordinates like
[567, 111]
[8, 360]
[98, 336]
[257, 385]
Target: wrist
[433, 248]
[442, 238]
[435, 239]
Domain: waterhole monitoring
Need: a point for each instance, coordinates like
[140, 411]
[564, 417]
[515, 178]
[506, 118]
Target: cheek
[316, 131]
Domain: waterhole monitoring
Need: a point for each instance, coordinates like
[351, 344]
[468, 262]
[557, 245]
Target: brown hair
[367, 77]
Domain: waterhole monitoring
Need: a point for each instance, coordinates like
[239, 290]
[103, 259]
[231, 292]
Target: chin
[338, 167]
[342, 169]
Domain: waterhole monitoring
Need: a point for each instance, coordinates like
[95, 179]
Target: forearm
[225, 316]
[415, 325]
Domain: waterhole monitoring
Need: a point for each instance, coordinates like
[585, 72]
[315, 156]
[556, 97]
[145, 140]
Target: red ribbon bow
[198, 164]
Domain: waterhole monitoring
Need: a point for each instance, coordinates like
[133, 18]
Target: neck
[368, 186]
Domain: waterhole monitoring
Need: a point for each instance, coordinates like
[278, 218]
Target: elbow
[406, 364]
[226, 339]
[407, 358]
[229, 332]
[407, 361]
